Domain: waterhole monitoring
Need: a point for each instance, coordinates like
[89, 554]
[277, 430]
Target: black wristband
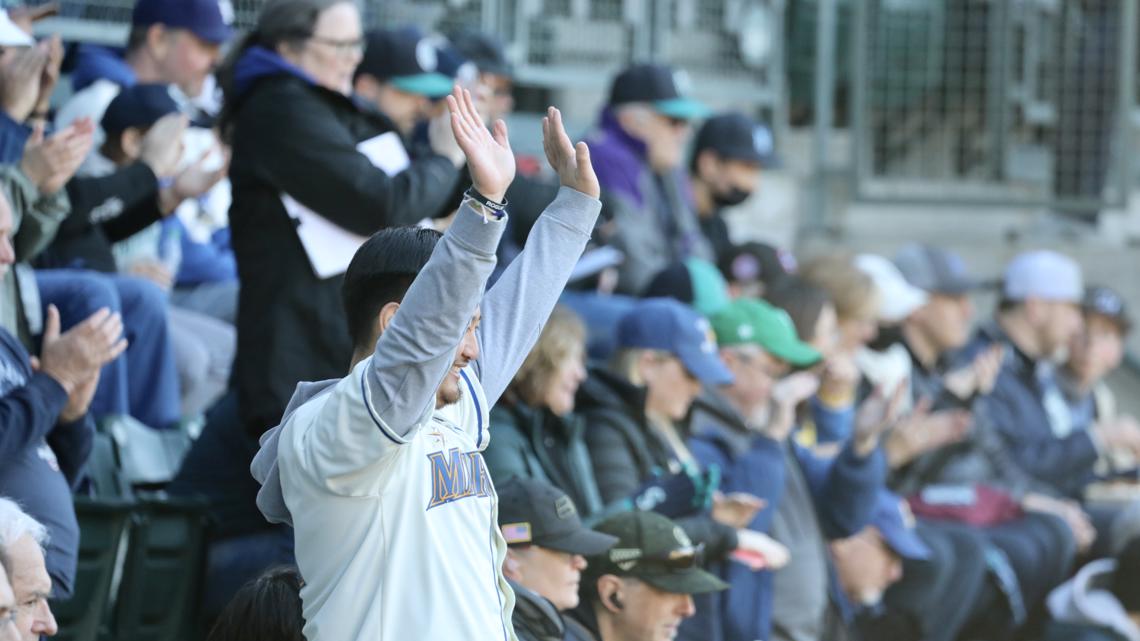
[495, 208]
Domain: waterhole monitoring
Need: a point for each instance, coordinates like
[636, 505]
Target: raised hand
[875, 416]
[194, 180]
[571, 162]
[20, 82]
[489, 156]
[75, 356]
[50, 163]
[923, 431]
[736, 509]
[162, 145]
[53, 47]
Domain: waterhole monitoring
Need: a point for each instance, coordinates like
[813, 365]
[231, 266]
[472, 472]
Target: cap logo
[227, 10]
[682, 538]
[745, 267]
[426, 56]
[745, 332]
[708, 346]
[625, 558]
[762, 140]
[1107, 303]
[564, 507]
[682, 83]
[517, 532]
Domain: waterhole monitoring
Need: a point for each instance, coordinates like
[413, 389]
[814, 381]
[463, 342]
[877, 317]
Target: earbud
[615, 601]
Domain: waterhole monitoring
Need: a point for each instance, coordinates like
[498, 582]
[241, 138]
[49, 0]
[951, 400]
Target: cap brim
[432, 85]
[682, 108]
[957, 287]
[706, 368]
[692, 581]
[797, 354]
[585, 542]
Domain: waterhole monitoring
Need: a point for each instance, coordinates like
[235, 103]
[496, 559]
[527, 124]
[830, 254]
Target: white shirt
[397, 537]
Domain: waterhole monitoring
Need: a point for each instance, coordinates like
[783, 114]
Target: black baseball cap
[934, 270]
[406, 58]
[532, 512]
[656, 550]
[662, 87]
[735, 136]
[756, 262]
[485, 50]
[206, 19]
[138, 106]
[1107, 302]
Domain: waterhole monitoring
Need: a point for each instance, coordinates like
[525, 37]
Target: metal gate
[1006, 102]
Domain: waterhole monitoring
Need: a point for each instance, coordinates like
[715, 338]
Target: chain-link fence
[1006, 102]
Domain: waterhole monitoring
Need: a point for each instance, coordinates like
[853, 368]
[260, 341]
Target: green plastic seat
[102, 526]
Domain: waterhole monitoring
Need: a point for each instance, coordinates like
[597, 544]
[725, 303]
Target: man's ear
[512, 567]
[130, 143]
[156, 40]
[387, 312]
[708, 165]
[609, 586]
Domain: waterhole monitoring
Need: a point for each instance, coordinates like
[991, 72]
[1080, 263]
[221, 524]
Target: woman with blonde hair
[536, 432]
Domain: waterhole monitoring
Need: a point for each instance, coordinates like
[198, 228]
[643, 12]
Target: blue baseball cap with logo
[207, 19]
[138, 106]
[894, 520]
[670, 326]
[735, 136]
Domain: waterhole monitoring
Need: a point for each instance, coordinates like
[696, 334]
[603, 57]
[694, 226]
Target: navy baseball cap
[934, 270]
[1107, 302]
[407, 59]
[668, 325]
[533, 512]
[138, 106]
[894, 520]
[735, 136]
[662, 87]
[206, 19]
[485, 50]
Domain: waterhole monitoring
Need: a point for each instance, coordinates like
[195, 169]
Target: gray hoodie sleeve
[517, 307]
[418, 347]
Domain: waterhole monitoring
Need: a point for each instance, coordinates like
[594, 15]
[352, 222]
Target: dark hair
[280, 22]
[802, 301]
[380, 273]
[137, 37]
[265, 609]
[1125, 585]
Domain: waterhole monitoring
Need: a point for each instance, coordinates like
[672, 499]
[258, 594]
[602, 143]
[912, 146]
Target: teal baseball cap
[665, 88]
[407, 59]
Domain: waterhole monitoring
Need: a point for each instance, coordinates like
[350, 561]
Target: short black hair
[380, 273]
[137, 37]
[1125, 586]
[267, 608]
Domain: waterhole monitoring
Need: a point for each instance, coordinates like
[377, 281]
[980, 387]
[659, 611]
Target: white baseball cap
[12, 35]
[897, 298]
[1043, 274]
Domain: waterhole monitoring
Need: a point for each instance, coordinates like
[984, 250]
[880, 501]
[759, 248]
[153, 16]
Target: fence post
[824, 105]
[1127, 99]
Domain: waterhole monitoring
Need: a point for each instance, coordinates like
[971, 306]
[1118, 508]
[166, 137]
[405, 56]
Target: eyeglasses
[344, 48]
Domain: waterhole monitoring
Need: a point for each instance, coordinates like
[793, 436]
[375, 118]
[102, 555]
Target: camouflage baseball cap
[656, 550]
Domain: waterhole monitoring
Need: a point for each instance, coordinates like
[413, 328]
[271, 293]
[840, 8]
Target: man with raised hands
[381, 472]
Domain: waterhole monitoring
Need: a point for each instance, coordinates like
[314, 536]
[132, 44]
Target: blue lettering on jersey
[457, 475]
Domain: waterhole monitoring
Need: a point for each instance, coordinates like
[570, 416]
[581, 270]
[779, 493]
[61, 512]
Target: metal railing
[1004, 102]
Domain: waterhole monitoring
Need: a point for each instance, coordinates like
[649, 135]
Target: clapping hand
[875, 416]
[50, 163]
[571, 162]
[489, 156]
[73, 359]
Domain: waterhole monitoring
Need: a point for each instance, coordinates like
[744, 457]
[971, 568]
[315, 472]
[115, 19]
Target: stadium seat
[102, 525]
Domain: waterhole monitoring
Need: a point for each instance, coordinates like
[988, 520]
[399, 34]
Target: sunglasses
[685, 558]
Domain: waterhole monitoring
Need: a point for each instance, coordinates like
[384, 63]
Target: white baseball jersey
[397, 537]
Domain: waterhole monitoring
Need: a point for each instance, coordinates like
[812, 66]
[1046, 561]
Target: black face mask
[734, 196]
[888, 335]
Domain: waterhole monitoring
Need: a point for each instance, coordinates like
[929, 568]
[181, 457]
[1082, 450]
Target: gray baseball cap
[935, 270]
[1043, 274]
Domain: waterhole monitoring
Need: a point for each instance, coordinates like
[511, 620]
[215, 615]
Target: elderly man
[21, 542]
[643, 587]
[8, 631]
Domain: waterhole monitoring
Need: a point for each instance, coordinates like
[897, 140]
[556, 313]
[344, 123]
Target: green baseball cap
[653, 549]
[750, 321]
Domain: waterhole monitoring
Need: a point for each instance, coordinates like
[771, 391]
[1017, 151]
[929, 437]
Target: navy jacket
[1016, 408]
[42, 457]
[843, 492]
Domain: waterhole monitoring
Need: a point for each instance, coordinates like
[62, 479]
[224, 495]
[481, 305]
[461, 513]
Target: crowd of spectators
[708, 440]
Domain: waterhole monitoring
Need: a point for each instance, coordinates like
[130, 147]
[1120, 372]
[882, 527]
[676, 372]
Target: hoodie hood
[1085, 599]
[619, 158]
[270, 499]
[258, 63]
[95, 63]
